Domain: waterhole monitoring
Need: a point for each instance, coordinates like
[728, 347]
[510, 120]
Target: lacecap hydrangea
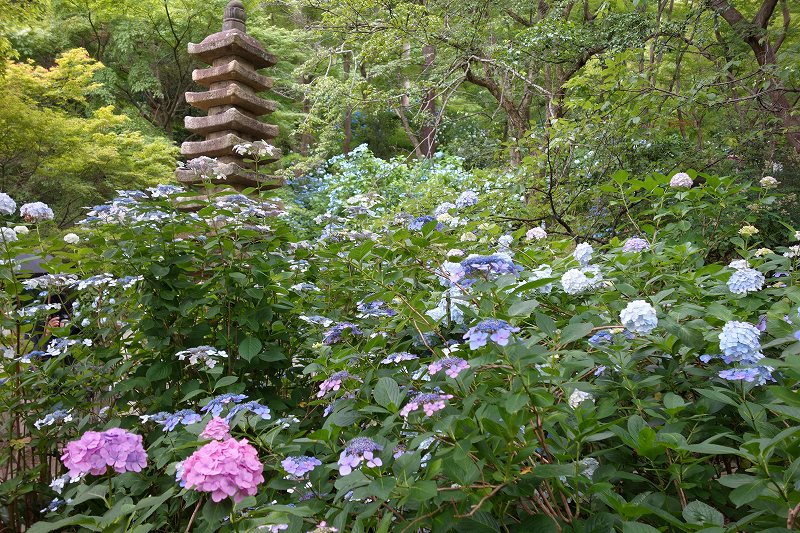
[499, 331]
[360, 449]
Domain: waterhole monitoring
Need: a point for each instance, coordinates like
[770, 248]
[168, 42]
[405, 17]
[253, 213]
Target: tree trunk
[347, 121]
[427, 134]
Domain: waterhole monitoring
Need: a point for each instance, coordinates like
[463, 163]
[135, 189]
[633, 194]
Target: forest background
[556, 94]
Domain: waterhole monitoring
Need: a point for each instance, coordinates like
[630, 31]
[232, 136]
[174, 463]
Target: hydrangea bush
[214, 371]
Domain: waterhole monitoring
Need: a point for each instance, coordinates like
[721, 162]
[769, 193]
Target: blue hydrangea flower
[639, 317]
[417, 223]
[398, 357]
[499, 331]
[216, 404]
[739, 341]
[759, 375]
[746, 280]
[171, 420]
[601, 337]
[444, 208]
[375, 308]
[252, 406]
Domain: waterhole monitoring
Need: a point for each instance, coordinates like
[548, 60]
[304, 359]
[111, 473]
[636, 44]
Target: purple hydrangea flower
[398, 357]
[334, 335]
[334, 383]
[300, 465]
[466, 199]
[452, 366]
[489, 266]
[360, 449]
[499, 331]
[635, 244]
[430, 403]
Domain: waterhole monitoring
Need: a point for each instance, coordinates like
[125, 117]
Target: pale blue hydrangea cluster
[466, 199]
[740, 345]
[746, 280]
[299, 465]
[487, 266]
[639, 317]
[7, 204]
[418, 223]
[171, 420]
[583, 253]
[375, 308]
[443, 208]
[36, 212]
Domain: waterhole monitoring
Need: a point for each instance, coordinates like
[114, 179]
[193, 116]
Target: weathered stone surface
[240, 179]
[218, 146]
[232, 95]
[232, 104]
[232, 71]
[234, 120]
[230, 43]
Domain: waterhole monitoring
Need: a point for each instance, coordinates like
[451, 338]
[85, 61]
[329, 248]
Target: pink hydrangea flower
[217, 429]
[430, 403]
[95, 451]
[224, 468]
[452, 366]
[334, 383]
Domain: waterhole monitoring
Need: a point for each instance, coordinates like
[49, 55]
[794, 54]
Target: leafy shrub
[395, 374]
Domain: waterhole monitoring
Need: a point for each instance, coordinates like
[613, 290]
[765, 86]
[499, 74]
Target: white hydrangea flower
[794, 251]
[71, 238]
[21, 230]
[7, 204]
[575, 282]
[7, 235]
[578, 397]
[639, 317]
[768, 182]
[681, 180]
[536, 234]
[739, 264]
[748, 231]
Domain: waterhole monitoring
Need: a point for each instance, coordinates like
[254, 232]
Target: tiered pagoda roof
[231, 103]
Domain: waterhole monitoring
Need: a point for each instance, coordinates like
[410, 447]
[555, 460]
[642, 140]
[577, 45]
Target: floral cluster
[7, 204]
[536, 234]
[334, 383]
[36, 212]
[336, 333]
[575, 281]
[398, 357]
[95, 451]
[452, 366]
[225, 468]
[583, 253]
[216, 429]
[202, 354]
[360, 449]
[300, 465]
[746, 280]
[681, 180]
[635, 244]
[429, 402]
[499, 331]
[639, 317]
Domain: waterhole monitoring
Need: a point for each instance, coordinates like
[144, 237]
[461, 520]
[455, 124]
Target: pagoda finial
[234, 17]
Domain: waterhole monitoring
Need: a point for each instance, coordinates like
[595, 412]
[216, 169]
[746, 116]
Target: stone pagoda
[231, 102]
